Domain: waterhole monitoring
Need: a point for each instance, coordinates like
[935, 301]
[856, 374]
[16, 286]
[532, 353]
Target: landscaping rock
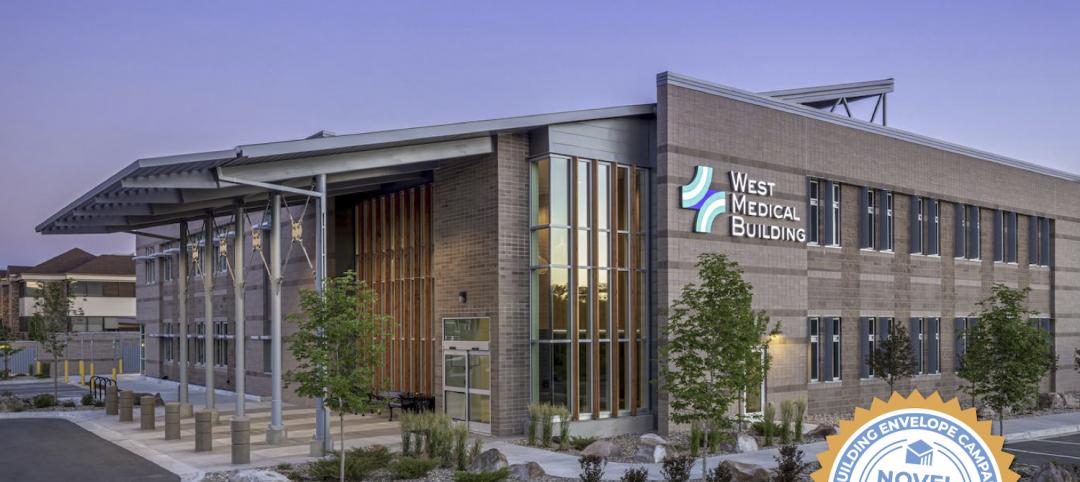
[601, 448]
[157, 399]
[1050, 472]
[743, 472]
[527, 471]
[11, 403]
[489, 461]
[822, 431]
[1053, 401]
[1071, 399]
[651, 448]
[745, 443]
[257, 476]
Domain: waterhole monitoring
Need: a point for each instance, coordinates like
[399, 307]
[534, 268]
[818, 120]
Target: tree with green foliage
[7, 350]
[339, 345]
[893, 359]
[716, 347]
[1006, 353]
[50, 325]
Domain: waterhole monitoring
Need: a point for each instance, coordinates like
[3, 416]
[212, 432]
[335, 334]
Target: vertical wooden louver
[393, 255]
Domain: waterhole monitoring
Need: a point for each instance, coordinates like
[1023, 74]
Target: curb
[1044, 433]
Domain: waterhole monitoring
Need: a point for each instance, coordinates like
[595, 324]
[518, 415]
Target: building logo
[915, 439]
[708, 203]
[754, 214]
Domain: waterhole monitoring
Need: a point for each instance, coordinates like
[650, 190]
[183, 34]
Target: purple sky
[88, 87]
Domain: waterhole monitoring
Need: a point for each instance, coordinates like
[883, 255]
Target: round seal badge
[915, 439]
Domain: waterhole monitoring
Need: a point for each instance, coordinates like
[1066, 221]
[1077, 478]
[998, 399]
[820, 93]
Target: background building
[532, 258]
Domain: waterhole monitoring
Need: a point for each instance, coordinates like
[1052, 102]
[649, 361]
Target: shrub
[677, 468]
[412, 467]
[461, 447]
[716, 437]
[800, 412]
[759, 428]
[787, 412]
[87, 400]
[564, 426]
[43, 400]
[534, 417]
[359, 464]
[431, 435]
[592, 468]
[579, 443]
[789, 464]
[68, 404]
[547, 424]
[635, 474]
[490, 476]
[769, 423]
[99, 403]
[722, 473]
[406, 440]
[474, 452]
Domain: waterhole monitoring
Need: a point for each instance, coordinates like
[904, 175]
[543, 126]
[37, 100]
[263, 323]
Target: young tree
[1006, 355]
[716, 346]
[54, 305]
[345, 358]
[893, 358]
[6, 351]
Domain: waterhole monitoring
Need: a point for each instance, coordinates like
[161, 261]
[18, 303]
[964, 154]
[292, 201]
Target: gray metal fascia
[679, 80]
[431, 133]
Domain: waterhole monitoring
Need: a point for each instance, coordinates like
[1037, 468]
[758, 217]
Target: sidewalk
[565, 465]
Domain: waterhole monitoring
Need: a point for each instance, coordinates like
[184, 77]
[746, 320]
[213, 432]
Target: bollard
[114, 375]
[37, 368]
[186, 410]
[66, 379]
[241, 440]
[147, 404]
[204, 431]
[172, 421]
[120, 366]
[125, 405]
[82, 373]
[112, 400]
[91, 370]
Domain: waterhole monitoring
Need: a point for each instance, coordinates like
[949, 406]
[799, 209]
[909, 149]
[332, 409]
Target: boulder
[488, 461]
[1050, 472]
[822, 431]
[1071, 399]
[745, 443]
[157, 398]
[253, 475]
[11, 403]
[744, 472]
[601, 448]
[1053, 401]
[527, 471]
[651, 448]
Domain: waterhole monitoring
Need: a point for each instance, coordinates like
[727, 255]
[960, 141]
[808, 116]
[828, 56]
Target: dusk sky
[88, 87]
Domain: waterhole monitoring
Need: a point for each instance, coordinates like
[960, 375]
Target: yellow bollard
[37, 368]
[82, 373]
[91, 372]
[66, 378]
[120, 366]
[114, 375]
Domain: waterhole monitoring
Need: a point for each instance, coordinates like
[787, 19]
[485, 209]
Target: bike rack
[98, 385]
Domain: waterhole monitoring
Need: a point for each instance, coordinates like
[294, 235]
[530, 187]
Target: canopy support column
[322, 442]
[208, 311]
[182, 318]
[238, 309]
[275, 434]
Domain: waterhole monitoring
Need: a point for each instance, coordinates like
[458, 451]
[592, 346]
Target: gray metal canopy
[164, 190]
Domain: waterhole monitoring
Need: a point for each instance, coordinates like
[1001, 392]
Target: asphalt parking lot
[29, 387]
[1065, 449]
[50, 449]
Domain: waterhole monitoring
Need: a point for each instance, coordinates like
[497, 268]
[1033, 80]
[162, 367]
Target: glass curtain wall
[589, 296]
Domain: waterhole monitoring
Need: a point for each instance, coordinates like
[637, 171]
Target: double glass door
[467, 372]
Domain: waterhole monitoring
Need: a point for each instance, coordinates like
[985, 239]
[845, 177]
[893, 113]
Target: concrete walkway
[565, 465]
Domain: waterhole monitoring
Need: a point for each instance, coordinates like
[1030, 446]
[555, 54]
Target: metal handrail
[98, 386]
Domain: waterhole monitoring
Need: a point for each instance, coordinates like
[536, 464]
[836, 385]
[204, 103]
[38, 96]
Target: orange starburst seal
[915, 439]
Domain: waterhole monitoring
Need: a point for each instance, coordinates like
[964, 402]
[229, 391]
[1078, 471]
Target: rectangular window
[1045, 242]
[918, 327]
[888, 226]
[835, 214]
[221, 343]
[960, 336]
[1038, 241]
[960, 229]
[933, 345]
[199, 346]
[149, 267]
[868, 328]
[167, 266]
[917, 217]
[870, 228]
[837, 331]
[814, 218]
[933, 227]
[1011, 237]
[814, 329]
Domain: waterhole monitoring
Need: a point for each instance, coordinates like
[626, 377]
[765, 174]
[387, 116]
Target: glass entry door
[467, 372]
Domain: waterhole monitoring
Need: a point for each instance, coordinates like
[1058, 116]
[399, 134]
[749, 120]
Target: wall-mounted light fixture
[462, 297]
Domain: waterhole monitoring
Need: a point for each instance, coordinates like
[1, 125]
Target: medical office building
[532, 258]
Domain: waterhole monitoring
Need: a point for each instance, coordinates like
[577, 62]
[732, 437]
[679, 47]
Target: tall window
[588, 299]
[221, 343]
[167, 264]
[167, 341]
[149, 267]
[871, 220]
[221, 257]
[835, 213]
[825, 335]
[1038, 241]
[199, 346]
[815, 349]
[889, 226]
[871, 344]
[837, 331]
[925, 222]
[814, 217]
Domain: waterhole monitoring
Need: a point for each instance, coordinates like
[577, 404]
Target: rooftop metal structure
[835, 96]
